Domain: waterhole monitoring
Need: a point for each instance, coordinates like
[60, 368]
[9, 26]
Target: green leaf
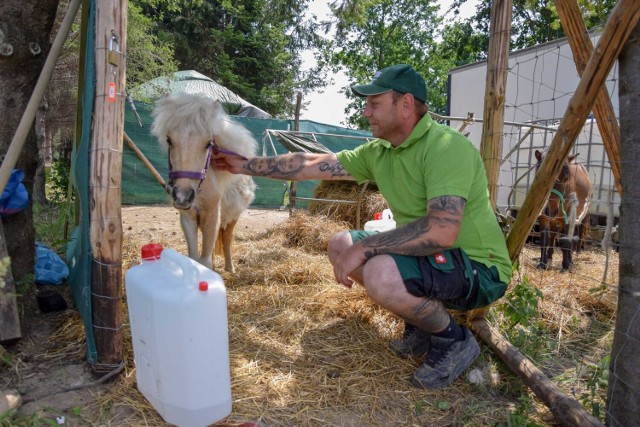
[443, 406]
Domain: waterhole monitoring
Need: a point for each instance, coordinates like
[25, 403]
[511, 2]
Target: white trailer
[540, 83]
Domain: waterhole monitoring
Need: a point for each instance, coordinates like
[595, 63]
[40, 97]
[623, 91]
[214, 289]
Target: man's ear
[408, 105]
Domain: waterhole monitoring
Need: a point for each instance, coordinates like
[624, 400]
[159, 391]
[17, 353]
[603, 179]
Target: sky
[328, 107]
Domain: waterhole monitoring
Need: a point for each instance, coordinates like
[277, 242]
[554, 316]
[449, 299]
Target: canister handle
[189, 270]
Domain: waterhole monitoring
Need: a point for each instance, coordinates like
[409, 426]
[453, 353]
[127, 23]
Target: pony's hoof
[543, 266]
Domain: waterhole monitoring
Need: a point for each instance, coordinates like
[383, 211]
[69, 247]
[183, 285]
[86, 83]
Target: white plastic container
[386, 223]
[178, 316]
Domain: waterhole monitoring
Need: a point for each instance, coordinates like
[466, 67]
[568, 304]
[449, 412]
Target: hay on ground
[306, 351]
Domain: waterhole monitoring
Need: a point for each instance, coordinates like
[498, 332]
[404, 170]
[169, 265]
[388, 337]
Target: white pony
[208, 199]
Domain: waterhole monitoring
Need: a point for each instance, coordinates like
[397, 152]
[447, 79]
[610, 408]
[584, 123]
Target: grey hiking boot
[447, 359]
[414, 343]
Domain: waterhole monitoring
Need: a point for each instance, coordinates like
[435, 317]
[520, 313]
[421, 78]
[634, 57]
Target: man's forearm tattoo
[336, 169]
[283, 167]
[419, 237]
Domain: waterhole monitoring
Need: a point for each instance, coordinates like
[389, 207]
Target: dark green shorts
[451, 277]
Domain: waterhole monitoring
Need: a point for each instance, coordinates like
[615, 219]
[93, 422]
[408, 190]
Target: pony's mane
[204, 116]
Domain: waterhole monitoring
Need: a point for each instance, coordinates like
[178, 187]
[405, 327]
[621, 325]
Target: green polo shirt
[435, 160]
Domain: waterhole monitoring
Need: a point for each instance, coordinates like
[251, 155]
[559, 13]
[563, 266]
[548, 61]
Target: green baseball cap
[401, 77]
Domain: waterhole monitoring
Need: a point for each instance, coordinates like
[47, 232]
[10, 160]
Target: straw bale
[310, 233]
[371, 202]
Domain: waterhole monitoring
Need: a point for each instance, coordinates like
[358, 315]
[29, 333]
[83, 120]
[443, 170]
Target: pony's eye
[168, 141]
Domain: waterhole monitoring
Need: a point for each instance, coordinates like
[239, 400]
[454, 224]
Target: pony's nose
[183, 197]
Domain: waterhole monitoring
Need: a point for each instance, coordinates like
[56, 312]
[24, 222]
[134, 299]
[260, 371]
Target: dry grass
[305, 351]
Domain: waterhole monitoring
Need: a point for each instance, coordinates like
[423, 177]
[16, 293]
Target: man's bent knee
[338, 243]
[382, 279]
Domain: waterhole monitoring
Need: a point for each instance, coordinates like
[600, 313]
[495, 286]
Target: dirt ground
[56, 384]
[157, 223]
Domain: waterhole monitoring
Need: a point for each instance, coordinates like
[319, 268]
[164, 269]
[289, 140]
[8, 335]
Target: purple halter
[173, 175]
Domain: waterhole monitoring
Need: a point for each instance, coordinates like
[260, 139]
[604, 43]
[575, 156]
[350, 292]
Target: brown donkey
[566, 208]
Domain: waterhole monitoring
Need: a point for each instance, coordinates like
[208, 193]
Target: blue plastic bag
[14, 197]
[50, 269]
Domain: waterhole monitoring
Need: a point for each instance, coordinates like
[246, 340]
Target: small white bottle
[385, 223]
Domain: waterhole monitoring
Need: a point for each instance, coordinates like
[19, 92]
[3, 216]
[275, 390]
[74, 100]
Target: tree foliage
[374, 34]
[250, 46]
[148, 55]
[536, 21]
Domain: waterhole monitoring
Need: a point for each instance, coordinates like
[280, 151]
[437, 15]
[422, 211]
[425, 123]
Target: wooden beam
[146, 162]
[495, 93]
[621, 22]
[105, 177]
[564, 407]
[9, 318]
[582, 48]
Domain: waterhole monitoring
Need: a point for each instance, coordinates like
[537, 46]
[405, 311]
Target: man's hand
[350, 260]
[227, 162]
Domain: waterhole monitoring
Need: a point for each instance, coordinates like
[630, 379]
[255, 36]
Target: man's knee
[382, 278]
[338, 243]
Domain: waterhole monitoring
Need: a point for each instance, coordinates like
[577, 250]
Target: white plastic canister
[384, 224]
[178, 317]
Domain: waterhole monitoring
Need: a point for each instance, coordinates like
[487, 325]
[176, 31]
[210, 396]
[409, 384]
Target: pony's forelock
[203, 116]
[198, 113]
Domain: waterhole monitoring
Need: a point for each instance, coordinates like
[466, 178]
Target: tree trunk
[25, 28]
[623, 395]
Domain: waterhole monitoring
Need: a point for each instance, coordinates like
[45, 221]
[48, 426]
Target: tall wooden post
[293, 186]
[495, 90]
[582, 48]
[623, 391]
[104, 182]
[621, 22]
[495, 95]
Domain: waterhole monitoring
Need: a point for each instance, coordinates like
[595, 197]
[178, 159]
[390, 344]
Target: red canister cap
[203, 286]
[151, 251]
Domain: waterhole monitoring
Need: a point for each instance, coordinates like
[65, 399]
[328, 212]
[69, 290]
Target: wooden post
[9, 318]
[622, 21]
[564, 407]
[105, 172]
[495, 90]
[293, 186]
[495, 95]
[146, 162]
[623, 385]
[582, 48]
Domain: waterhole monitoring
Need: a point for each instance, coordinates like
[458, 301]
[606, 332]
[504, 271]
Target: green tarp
[139, 186]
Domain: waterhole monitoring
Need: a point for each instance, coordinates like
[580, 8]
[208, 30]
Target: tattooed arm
[292, 166]
[424, 236]
[431, 234]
